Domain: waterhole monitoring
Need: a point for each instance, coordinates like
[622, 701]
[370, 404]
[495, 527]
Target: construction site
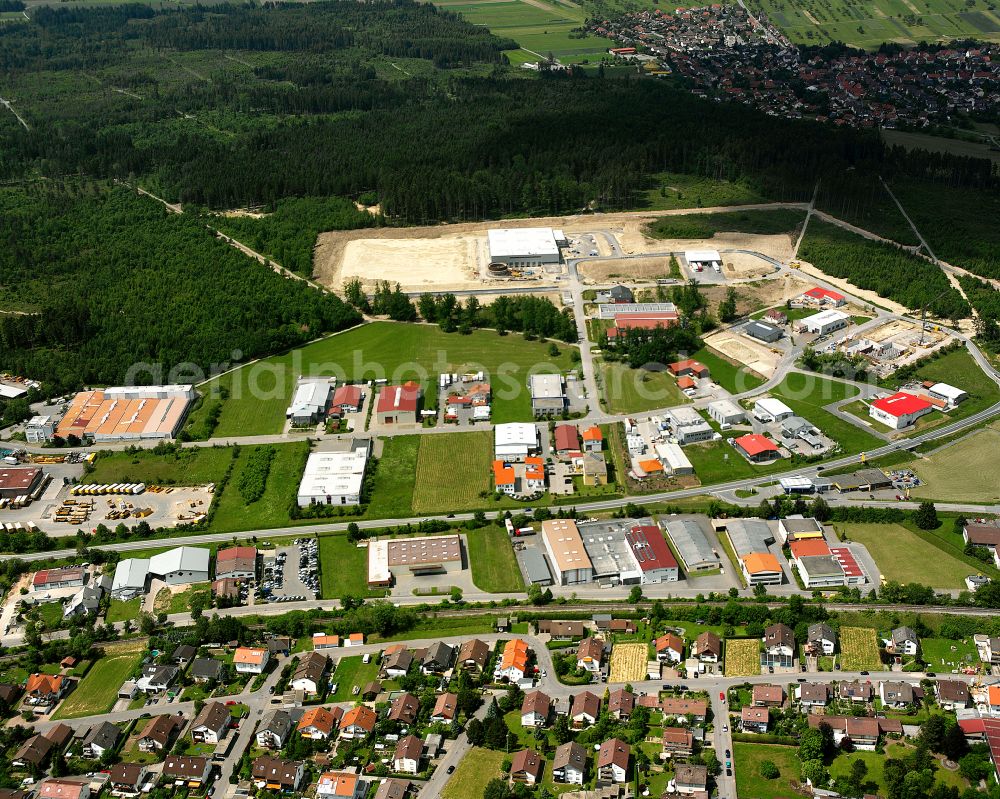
[893, 344]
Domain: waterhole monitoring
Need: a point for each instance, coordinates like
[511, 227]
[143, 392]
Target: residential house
[707, 647]
[895, 694]
[590, 654]
[669, 648]
[755, 719]
[526, 767]
[623, 626]
[856, 691]
[820, 639]
[274, 729]
[677, 742]
[398, 663]
[690, 779]
[768, 696]
[612, 763]
[206, 670]
[358, 722]
[861, 732]
[276, 774]
[43, 691]
[593, 439]
[585, 709]
[156, 679]
[561, 630]
[514, 660]
[406, 758]
[319, 723]
[952, 694]
[437, 658]
[904, 641]
[473, 655]
[211, 724]
[567, 440]
[308, 674]
[127, 779]
[371, 691]
[694, 710]
[621, 703]
[157, 733]
[404, 709]
[101, 738]
[183, 654]
[250, 660]
[340, 785]
[33, 752]
[184, 770]
[392, 788]
[779, 646]
[9, 694]
[813, 694]
[321, 641]
[445, 708]
[569, 764]
[64, 788]
[535, 709]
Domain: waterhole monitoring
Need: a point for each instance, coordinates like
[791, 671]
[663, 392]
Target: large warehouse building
[566, 552]
[127, 413]
[19, 481]
[415, 557]
[335, 478]
[177, 566]
[526, 246]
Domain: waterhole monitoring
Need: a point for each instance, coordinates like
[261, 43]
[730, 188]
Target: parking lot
[292, 573]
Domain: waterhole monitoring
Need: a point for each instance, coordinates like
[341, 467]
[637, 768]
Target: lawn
[51, 614]
[258, 393]
[742, 657]
[343, 568]
[124, 611]
[97, 692]
[875, 779]
[806, 394]
[637, 390]
[189, 466]
[733, 377]
[167, 602]
[939, 654]
[903, 556]
[491, 557]
[719, 462]
[350, 672]
[453, 471]
[392, 492]
[429, 627]
[474, 772]
[963, 471]
[271, 510]
[746, 767]
[859, 649]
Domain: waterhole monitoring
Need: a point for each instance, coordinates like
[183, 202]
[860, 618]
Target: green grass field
[672, 191]
[637, 390]
[167, 602]
[746, 767]
[903, 556]
[343, 568]
[258, 394]
[869, 24]
[959, 369]
[271, 510]
[719, 462]
[841, 767]
[735, 378]
[938, 144]
[392, 494]
[705, 226]
[964, 471]
[494, 565]
[124, 611]
[477, 768]
[939, 654]
[350, 672]
[191, 466]
[97, 692]
[453, 469]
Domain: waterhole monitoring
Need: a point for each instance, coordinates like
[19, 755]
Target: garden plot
[628, 663]
[742, 657]
[859, 649]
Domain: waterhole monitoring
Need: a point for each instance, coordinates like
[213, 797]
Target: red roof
[685, 382]
[901, 404]
[347, 395]
[847, 561]
[824, 294]
[809, 548]
[398, 398]
[567, 437]
[650, 321]
[755, 444]
[650, 549]
[235, 553]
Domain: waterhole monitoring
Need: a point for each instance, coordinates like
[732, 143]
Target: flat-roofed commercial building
[416, 557]
[612, 309]
[335, 478]
[526, 246]
[18, 481]
[548, 394]
[514, 441]
[127, 413]
[692, 545]
[824, 322]
[566, 552]
[609, 552]
[652, 556]
[727, 412]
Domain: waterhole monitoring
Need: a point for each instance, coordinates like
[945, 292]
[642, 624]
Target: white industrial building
[566, 553]
[335, 478]
[706, 259]
[309, 405]
[769, 409]
[692, 545]
[726, 412]
[514, 441]
[177, 566]
[943, 391]
[612, 309]
[825, 322]
[130, 578]
[548, 394]
[415, 557]
[672, 458]
[526, 246]
[39, 429]
[687, 425]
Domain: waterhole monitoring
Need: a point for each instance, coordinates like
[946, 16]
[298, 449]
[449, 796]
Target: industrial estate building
[566, 552]
[335, 478]
[526, 246]
[17, 482]
[548, 394]
[310, 402]
[127, 413]
[415, 557]
[176, 566]
[514, 441]
[899, 410]
[399, 404]
[692, 545]
[824, 322]
[628, 552]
